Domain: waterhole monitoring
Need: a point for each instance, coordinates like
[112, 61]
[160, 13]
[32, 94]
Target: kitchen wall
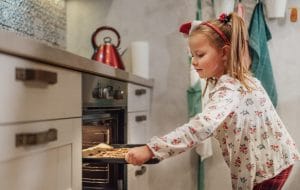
[157, 22]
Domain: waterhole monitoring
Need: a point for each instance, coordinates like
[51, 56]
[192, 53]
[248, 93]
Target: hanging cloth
[195, 103]
[259, 34]
[194, 97]
[241, 10]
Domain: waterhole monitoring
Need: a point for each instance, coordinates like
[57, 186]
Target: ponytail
[239, 64]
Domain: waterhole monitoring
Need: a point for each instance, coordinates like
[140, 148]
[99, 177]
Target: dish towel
[241, 9]
[261, 67]
[204, 149]
[195, 104]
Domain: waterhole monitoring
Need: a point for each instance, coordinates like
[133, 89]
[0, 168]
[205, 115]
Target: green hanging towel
[194, 94]
[259, 34]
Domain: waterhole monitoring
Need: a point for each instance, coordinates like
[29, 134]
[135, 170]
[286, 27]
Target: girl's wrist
[149, 150]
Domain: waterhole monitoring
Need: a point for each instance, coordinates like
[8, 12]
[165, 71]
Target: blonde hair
[234, 29]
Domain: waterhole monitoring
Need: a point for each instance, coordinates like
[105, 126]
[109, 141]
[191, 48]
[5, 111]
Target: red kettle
[107, 53]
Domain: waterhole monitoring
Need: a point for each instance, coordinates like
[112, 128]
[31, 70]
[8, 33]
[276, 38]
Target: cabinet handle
[36, 75]
[140, 118]
[140, 92]
[29, 139]
[140, 171]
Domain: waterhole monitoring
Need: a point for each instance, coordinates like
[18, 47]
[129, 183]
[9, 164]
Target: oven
[104, 108]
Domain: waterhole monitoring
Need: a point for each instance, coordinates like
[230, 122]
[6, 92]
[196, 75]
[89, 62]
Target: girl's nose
[194, 61]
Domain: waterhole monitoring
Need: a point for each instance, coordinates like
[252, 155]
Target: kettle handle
[95, 46]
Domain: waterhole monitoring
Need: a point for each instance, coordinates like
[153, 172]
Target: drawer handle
[140, 118]
[140, 92]
[140, 171]
[29, 139]
[36, 75]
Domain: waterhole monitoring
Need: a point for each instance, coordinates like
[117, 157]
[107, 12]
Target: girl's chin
[204, 75]
[201, 75]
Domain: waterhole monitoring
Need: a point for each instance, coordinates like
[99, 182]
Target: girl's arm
[219, 107]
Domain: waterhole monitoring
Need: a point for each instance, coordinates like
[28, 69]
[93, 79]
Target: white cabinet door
[53, 165]
[138, 121]
[137, 134]
[136, 181]
[38, 171]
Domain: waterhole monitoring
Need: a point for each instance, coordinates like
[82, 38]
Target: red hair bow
[185, 28]
[224, 18]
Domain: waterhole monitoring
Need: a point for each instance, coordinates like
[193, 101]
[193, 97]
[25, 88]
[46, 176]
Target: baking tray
[117, 160]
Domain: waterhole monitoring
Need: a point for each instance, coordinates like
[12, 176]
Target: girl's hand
[138, 155]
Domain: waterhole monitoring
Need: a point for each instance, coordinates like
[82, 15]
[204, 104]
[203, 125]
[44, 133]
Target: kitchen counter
[13, 44]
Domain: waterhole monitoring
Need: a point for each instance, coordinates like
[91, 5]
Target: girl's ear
[225, 52]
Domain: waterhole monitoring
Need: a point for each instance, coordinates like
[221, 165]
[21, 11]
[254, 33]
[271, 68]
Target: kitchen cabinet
[40, 126]
[138, 124]
[48, 166]
[138, 113]
[40, 99]
[138, 98]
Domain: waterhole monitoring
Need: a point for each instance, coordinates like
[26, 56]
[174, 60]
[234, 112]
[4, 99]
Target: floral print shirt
[254, 142]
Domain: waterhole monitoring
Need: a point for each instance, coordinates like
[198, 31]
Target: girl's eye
[197, 55]
[200, 55]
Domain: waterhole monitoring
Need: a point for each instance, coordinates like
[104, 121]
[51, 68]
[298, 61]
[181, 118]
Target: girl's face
[207, 60]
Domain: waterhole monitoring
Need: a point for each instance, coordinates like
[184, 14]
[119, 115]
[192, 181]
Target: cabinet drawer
[138, 98]
[55, 94]
[137, 127]
[62, 132]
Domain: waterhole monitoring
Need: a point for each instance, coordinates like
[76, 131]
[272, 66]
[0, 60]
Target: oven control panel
[101, 91]
[107, 92]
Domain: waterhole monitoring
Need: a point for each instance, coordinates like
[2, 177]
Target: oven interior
[103, 125]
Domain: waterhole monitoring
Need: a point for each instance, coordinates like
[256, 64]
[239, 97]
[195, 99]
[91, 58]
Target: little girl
[255, 144]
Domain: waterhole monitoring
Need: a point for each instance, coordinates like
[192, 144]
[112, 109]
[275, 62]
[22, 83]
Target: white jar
[275, 8]
[140, 58]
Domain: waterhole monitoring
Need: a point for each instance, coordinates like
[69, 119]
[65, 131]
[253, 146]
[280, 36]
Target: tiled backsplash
[43, 20]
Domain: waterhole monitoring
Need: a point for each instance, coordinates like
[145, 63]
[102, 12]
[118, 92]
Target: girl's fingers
[128, 157]
[136, 156]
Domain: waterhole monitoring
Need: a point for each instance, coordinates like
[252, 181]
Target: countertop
[13, 44]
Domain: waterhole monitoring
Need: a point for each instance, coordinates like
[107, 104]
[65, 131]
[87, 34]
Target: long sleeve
[219, 106]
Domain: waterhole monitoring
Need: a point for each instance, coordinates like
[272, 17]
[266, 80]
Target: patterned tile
[43, 20]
